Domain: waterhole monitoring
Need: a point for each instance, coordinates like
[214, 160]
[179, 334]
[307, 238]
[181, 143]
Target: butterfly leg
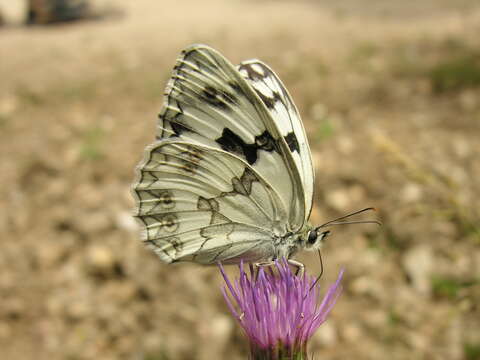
[300, 267]
[262, 264]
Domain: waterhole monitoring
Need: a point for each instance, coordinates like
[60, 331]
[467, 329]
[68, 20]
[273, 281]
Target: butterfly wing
[202, 204]
[220, 183]
[282, 109]
[209, 103]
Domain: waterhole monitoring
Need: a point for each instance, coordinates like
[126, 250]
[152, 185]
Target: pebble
[469, 100]
[343, 199]
[95, 222]
[13, 12]
[365, 286]
[5, 330]
[125, 221]
[8, 105]
[461, 147]
[101, 258]
[411, 192]
[418, 262]
[346, 145]
[338, 199]
[352, 332]
[327, 334]
[319, 111]
[78, 309]
[220, 328]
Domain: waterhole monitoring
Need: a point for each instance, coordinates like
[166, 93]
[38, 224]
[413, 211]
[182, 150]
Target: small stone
[220, 328]
[365, 286]
[345, 145]
[377, 318]
[370, 259]
[338, 199]
[356, 193]
[469, 100]
[318, 161]
[411, 193]
[5, 330]
[57, 187]
[95, 222]
[327, 336]
[89, 195]
[319, 111]
[342, 199]
[461, 147]
[125, 220]
[417, 340]
[55, 306]
[48, 256]
[8, 105]
[352, 332]
[101, 258]
[455, 341]
[14, 307]
[78, 309]
[459, 174]
[418, 263]
[13, 12]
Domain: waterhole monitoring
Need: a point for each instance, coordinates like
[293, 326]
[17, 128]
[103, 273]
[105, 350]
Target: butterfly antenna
[336, 221]
[321, 270]
[355, 222]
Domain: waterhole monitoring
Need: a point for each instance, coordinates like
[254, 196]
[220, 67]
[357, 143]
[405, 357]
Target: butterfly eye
[312, 237]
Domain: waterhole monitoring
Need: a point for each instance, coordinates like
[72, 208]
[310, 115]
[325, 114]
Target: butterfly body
[230, 175]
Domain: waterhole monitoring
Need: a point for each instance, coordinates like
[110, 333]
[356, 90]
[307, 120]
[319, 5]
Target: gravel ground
[390, 95]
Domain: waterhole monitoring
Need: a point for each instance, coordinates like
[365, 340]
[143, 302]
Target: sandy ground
[390, 97]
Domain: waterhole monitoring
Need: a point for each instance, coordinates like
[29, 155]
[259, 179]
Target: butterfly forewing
[208, 102]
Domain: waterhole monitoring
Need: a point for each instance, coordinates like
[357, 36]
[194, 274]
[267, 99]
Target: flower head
[279, 311]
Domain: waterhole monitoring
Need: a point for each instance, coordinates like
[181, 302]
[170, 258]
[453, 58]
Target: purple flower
[279, 311]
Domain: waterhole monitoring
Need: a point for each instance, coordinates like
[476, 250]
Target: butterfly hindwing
[196, 203]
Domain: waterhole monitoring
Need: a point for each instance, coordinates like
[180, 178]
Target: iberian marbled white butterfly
[230, 174]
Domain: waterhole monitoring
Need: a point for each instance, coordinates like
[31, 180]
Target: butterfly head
[313, 239]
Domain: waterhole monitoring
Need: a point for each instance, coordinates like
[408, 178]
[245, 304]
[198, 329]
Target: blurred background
[389, 92]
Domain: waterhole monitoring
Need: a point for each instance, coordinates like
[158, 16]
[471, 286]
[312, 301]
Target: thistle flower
[279, 311]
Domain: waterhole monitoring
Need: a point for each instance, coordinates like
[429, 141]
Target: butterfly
[230, 175]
